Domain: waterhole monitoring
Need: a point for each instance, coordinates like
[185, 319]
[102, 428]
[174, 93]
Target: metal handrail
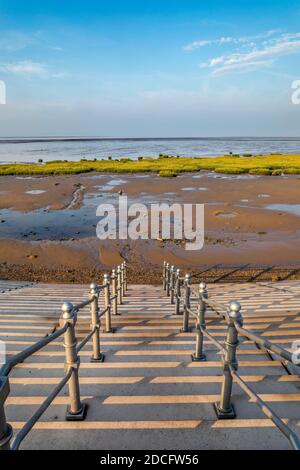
[39, 412]
[265, 343]
[225, 407]
[289, 434]
[191, 312]
[83, 304]
[85, 340]
[20, 357]
[77, 409]
[231, 313]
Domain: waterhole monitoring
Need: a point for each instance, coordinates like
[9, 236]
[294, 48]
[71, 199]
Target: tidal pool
[225, 214]
[293, 209]
[35, 192]
[64, 224]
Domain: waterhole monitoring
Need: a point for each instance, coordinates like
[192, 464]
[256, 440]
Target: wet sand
[240, 227]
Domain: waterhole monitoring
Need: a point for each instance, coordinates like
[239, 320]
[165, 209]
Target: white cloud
[250, 52]
[14, 41]
[55, 48]
[232, 61]
[230, 40]
[28, 68]
[241, 67]
[208, 42]
[282, 38]
[197, 44]
[11, 41]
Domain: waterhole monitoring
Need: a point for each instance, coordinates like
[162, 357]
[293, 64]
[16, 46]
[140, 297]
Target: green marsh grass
[166, 166]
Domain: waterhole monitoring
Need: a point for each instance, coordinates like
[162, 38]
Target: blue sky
[152, 68]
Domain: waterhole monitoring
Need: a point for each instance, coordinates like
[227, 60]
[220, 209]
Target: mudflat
[48, 224]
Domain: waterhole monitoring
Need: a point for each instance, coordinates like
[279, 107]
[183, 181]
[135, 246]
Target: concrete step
[148, 393]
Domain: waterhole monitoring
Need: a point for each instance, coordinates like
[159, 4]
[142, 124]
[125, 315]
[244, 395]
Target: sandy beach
[250, 221]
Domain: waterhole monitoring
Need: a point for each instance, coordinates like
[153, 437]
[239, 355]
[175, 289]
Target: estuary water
[73, 149]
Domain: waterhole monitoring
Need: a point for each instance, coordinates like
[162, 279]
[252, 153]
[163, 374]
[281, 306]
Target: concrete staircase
[148, 394]
[13, 285]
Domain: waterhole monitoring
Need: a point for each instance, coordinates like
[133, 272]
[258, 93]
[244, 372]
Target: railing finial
[235, 310]
[93, 286]
[202, 287]
[67, 308]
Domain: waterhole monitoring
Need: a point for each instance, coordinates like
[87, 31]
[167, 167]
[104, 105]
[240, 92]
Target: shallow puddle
[116, 182]
[35, 192]
[105, 187]
[293, 209]
[110, 185]
[225, 215]
[65, 224]
[25, 178]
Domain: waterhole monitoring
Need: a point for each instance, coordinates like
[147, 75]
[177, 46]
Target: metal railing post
[165, 275]
[95, 324]
[76, 411]
[125, 276]
[119, 275]
[107, 303]
[225, 409]
[114, 284]
[200, 323]
[168, 279]
[178, 292]
[6, 431]
[187, 303]
[172, 284]
[123, 279]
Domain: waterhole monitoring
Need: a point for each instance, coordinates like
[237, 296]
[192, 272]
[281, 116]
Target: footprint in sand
[31, 256]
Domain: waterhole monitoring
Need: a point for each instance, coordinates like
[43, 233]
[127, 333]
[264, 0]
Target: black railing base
[201, 358]
[185, 330]
[112, 330]
[221, 414]
[80, 416]
[101, 358]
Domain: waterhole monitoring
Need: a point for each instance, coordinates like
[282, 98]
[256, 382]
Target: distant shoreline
[24, 140]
